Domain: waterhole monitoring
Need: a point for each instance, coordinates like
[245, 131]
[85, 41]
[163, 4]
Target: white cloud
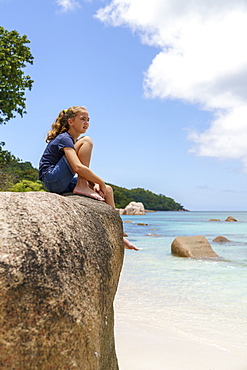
[67, 5]
[202, 60]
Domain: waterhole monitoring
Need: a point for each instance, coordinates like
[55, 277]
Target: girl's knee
[82, 141]
[85, 139]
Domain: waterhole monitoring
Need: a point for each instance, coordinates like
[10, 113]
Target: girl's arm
[82, 170]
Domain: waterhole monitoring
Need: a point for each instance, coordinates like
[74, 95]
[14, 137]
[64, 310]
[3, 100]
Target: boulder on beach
[193, 247]
[220, 239]
[231, 219]
[60, 261]
[134, 208]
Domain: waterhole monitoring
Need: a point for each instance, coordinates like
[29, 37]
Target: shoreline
[143, 347]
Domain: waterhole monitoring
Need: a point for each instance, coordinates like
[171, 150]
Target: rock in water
[134, 208]
[193, 247]
[60, 261]
[231, 219]
[220, 239]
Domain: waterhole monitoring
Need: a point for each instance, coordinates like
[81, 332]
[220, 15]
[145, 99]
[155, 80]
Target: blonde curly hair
[61, 124]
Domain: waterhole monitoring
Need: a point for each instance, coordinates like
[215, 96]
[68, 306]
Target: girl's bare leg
[109, 199]
[83, 149]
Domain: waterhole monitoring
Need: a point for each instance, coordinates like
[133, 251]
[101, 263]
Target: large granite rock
[193, 247]
[60, 260]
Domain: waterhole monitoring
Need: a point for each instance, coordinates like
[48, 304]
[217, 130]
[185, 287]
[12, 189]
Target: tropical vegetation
[16, 175]
[14, 55]
[150, 200]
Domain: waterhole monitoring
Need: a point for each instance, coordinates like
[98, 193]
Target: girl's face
[80, 123]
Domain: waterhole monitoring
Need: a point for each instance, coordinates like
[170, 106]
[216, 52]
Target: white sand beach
[142, 347]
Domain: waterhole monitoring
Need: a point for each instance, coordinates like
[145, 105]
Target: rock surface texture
[193, 247]
[60, 261]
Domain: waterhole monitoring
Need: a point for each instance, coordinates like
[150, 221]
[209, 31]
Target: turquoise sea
[204, 300]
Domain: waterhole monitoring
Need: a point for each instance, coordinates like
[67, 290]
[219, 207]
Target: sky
[165, 84]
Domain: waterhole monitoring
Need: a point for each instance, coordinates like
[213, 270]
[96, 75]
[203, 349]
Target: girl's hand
[100, 189]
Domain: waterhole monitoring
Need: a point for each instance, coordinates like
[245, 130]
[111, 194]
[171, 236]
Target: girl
[66, 155]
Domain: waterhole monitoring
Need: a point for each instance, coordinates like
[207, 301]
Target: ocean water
[204, 300]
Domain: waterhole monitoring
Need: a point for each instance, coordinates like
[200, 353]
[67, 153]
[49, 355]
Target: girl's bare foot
[129, 245]
[88, 192]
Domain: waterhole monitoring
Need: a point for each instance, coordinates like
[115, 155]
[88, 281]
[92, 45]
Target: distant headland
[150, 200]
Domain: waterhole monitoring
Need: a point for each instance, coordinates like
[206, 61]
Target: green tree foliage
[14, 55]
[7, 178]
[13, 171]
[150, 200]
[24, 171]
[26, 185]
[6, 157]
